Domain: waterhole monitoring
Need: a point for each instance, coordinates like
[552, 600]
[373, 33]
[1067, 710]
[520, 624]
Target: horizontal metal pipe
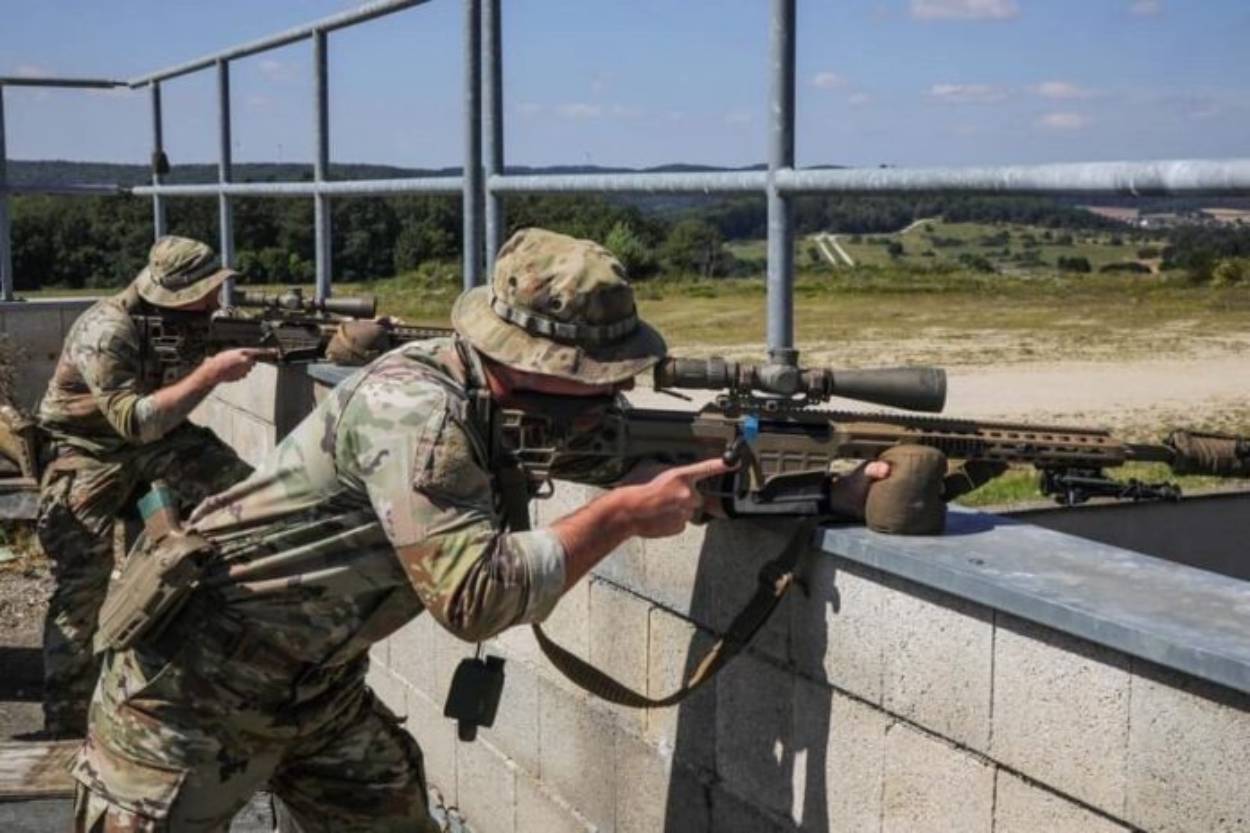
[1180, 176]
[694, 183]
[362, 187]
[79, 83]
[66, 189]
[325, 24]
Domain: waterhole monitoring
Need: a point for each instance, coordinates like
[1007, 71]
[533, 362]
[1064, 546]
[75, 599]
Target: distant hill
[63, 172]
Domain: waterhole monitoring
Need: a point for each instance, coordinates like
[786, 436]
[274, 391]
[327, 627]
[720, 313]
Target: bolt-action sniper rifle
[768, 418]
[294, 327]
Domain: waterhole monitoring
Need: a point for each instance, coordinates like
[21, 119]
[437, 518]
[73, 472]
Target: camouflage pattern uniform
[381, 504]
[102, 453]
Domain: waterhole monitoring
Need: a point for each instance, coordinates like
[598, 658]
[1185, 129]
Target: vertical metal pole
[6, 256]
[158, 158]
[780, 212]
[472, 143]
[321, 163]
[492, 115]
[224, 175]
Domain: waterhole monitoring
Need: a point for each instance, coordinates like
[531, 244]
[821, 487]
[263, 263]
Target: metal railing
[484, 181]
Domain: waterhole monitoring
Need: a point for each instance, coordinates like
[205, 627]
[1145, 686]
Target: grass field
[1011, 249]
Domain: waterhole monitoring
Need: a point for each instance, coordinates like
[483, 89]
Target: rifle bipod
[1072, 486]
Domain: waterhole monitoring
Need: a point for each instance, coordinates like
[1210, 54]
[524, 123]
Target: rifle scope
[911, 388]
[293, 300]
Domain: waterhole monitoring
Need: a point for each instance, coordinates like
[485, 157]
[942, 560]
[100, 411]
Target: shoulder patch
[448, 470]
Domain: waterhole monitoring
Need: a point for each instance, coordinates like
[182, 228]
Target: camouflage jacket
[101, 376]
[380, 504]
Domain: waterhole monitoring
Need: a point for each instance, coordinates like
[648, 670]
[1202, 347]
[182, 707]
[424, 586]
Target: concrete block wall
[37, 329]
[868, 704]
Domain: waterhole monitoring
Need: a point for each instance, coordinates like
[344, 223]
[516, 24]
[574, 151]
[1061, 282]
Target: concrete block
[686, 732]
[519, 645]
[754, 704]
[1188, 754]
[662, 795]
[576, 751]
[486, 788]
[625, 566]
[937, 662]
[733, 553]
[36, 330]
[839, 761]
[618, 643]
[569, 626]
[933, 786]
[538, 810]
[567, 498]
[732, 814]
[388, 688]
[835, 633]
[1061, 712]
[672, 575]
[412, 655]
[254, 394]
[436, 735]
[252, 437]
[515, 732]
[380, 653]
[293, 399]
[1021, 807]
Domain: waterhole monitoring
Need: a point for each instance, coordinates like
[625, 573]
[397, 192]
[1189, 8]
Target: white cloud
[964, 9]
[259, 102]
[275, 70]
[1062, 90]
[529, 108]
[828, 80]
[1146, 8]
[32, 71]
[579, 110]
[739, 117]
[1064, 121]
[859, 99]
[967, 93]
[624, 111]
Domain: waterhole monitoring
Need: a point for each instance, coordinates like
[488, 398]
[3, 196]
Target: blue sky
[644, 82]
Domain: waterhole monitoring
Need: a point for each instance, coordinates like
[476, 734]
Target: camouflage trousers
[182, 736]
[79, 499]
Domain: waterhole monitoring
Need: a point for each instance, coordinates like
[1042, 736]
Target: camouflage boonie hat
[180, 271]
[561, 307]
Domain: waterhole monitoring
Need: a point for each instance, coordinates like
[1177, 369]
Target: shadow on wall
[749, 749]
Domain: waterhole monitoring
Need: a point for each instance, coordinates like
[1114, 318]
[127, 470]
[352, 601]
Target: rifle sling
[775, 578]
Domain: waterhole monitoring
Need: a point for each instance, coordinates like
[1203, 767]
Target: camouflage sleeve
[107, 356]
[435, 501]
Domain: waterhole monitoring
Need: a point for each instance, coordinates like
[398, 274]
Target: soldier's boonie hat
[559, 306]
[180, 271]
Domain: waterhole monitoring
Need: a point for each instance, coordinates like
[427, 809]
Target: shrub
[1074, 264]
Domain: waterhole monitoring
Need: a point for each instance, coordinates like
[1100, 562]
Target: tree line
[101, 242]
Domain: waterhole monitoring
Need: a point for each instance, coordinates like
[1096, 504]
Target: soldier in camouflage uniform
[384, 503]
[113, 428]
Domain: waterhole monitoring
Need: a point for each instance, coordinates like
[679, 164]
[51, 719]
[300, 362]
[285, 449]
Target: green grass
[1096, 246]
[1020, 485]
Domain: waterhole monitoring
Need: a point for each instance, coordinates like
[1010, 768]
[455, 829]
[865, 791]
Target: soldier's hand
[849, 492]
[233, 365]
[663, 505]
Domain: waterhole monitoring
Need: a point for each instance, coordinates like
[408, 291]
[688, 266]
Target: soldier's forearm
[158, 413]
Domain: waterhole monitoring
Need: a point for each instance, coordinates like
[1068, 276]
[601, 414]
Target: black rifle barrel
[293, 300]
[910, 388]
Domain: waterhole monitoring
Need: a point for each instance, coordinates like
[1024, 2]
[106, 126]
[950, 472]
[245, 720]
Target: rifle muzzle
[911, 388]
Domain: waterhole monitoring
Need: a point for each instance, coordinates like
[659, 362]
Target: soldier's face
[505, 381]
